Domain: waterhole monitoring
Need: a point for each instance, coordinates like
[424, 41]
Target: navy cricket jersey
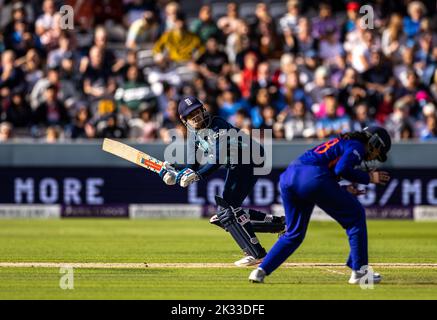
[340, 156]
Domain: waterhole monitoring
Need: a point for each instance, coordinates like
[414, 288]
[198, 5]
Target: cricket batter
[240, 178]
[312, 180]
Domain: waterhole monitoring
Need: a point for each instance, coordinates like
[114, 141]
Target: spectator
[264, 31]
[362, 118]
[98, 81]
[298, 122]
[11, 77]
[400, 118]
[145, 30]
[133, 92]
[324, 21]
[290, 20]
[179, 45]
[171, 121]
[171, 12]
[392, 38]
[332, 121]
[65, 49]
[144, 129]
[248, 75]
[430, 132]
[229, 23]
[52, 134]
[18, 112]
[48, 25]
[229, 105]
[6, 131]
[213, 61]
[82, 127]
[110, 128]
[32, 69]
[416, 11]
[205, 27]
[352, 9]
[52, 111]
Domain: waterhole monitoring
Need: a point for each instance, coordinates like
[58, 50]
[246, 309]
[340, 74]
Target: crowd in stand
[313, 70]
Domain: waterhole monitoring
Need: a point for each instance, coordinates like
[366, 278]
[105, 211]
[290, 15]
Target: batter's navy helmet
[379, 139]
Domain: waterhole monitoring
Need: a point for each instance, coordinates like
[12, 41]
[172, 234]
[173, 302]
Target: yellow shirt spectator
[179, 45]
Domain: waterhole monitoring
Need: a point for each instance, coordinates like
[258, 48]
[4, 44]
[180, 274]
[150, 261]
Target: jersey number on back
[325, 147]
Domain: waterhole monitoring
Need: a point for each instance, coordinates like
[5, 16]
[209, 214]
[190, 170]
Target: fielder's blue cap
[188, 104]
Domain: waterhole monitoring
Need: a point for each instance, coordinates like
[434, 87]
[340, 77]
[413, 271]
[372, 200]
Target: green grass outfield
[126, 244]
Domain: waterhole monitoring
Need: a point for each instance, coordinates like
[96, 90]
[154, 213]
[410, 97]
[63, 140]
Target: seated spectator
[393, 38]
[430, 132]
[133, 92]
[263, 30]
[416, 11]
[238, 41]
[264, 80]
[330, 49]
[31, 67]
[21, 39]
[229, 105]
[302, 44]
[6, 131]
[52, 134]
[143, 31]
[385, 107]
[406, 131]
[48, 26]
[18, 112]
[352, 10]
[248, 75]
[379, 76]
[230, 22]
[171, 121]
[263, 100]
[242, 120]
[98, 81]
[110, 128]
[324, 21]
[144, 129]
[362, 118]
[178, 44]
[81, 127]
[333, 122]
[171, 11]
[290, 20]
[318, 86]
[205, 27]
[101, 43]
[65, 49]
[52, 111]
[11, 77]
[399, 119]
[298, 122]
[213, 61]
[292, 91]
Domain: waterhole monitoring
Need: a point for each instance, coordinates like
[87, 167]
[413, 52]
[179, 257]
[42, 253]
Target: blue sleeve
[353, 155]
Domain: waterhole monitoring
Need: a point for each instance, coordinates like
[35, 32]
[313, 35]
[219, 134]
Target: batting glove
[168, 174]
[186, 176]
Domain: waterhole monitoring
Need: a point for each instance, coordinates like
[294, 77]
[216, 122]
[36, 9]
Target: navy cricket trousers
[303, 187]
[238, 184]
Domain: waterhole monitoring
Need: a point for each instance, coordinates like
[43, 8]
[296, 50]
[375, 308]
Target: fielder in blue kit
[313, 179]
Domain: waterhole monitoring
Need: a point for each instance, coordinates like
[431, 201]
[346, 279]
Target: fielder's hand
[379, 177]
[186, 176]
[168, 174]
[353, 189]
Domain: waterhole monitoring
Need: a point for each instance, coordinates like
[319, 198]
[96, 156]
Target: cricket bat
[133, 155]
